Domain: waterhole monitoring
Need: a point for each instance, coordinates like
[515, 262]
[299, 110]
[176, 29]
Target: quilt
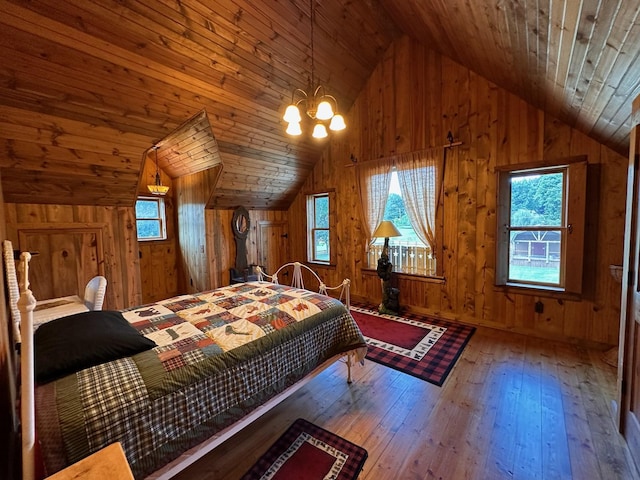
[220, 354]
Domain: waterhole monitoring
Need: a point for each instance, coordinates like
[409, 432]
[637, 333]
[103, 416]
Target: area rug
[425, 347]
[306, 451]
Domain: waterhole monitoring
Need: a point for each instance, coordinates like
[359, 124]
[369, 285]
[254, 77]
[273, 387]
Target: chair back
[94, 292]
[12, 284]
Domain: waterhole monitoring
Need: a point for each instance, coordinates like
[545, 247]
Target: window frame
[161, 219]
[432, 272]
[312, 227]
[572, 228]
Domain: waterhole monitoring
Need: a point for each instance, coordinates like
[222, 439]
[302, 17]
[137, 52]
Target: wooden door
[273, 245]
[629, 355]
[66, 259]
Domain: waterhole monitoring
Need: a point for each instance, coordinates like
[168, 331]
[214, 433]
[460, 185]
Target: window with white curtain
[405, 190]
[407, 253]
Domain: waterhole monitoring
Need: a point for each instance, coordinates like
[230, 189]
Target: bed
[212, 363]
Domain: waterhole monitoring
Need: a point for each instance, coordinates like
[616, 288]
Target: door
[629, 356]
[273, 245]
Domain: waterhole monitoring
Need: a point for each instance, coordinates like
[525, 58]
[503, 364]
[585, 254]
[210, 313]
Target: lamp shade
[337, 123]
[294, 128]
[292, 114]
[386, 229]
[158, 189]
[319, 131]
[324, 112]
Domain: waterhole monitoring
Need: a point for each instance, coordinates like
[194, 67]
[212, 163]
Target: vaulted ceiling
[87, 86]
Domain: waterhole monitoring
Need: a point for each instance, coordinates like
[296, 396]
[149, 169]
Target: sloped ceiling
[575, 59]
[190, 148]
[87, 86]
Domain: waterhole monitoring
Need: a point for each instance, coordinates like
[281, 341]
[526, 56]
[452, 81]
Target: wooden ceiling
[87, 86]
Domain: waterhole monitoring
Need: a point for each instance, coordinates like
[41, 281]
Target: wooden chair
[50, 309]
[94, 292]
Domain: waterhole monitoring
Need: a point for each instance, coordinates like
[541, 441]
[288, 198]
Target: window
[407, 253]
[150, 218]
[541, 221]
[319, 228]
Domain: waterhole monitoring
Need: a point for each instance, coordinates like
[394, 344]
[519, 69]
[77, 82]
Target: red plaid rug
[308, 452]
[425, 347]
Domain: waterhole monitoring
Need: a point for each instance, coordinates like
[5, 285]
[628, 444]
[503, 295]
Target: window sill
[540, 291]
[158, 240]
[320, 264]
[412, 276]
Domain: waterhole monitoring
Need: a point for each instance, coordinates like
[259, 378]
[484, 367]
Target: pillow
[69, 344]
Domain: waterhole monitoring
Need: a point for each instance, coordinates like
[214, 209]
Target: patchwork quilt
[220, 354]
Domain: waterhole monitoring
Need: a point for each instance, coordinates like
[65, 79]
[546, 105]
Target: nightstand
[108, 463]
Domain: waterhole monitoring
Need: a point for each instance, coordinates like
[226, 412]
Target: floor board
[513, 407]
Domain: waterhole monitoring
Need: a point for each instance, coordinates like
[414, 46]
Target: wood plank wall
[412, 99]
[206, 246]
[121, 263]
[158, 258]
[192, 192]
[222, 241]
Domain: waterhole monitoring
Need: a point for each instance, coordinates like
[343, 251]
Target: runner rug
[308, 452]
[425, 347]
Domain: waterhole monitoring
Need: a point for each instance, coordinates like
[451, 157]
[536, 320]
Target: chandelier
[157, 188]
[318, 103]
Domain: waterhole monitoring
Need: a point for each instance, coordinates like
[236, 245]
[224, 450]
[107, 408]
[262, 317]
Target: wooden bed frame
[27, 304]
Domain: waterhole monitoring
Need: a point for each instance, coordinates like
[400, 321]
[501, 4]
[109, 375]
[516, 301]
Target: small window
[150, 219]
[319, 228]
[541, 222]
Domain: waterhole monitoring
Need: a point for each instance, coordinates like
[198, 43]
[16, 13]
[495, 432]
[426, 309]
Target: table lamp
[386, 229]
[390, 302]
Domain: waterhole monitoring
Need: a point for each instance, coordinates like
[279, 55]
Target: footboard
[298, 281]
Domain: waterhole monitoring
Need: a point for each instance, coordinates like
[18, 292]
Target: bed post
[27, 304]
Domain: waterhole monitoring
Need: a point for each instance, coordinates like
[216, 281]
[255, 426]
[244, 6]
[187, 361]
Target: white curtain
[419, 176]
[373, 180]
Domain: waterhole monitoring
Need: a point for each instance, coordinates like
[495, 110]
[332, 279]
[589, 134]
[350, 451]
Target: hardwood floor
[512, 408]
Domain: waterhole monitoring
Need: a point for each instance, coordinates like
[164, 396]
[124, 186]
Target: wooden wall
[192, 192]
[412, 99]
[120, 245]
[158, 258]
[222, 242]
[206, 244]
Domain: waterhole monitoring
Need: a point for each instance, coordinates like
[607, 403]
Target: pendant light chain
[317, 101]
[313, 63]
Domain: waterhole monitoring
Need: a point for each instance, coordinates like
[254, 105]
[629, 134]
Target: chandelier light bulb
[325, 112]
[319, 131]
[337, 123]
[292, 114]
[294, 129]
